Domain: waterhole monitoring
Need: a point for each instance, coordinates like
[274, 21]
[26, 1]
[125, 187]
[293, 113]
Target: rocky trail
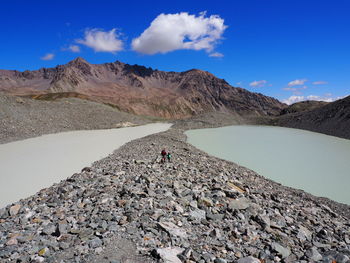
[128, 207]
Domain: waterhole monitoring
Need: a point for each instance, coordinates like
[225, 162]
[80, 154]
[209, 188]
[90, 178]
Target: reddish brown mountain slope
[139, 90]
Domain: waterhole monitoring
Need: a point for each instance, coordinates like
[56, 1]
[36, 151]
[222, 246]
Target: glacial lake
[29, 165]
[316, 163]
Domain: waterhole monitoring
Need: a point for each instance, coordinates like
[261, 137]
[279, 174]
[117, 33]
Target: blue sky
[291, 50]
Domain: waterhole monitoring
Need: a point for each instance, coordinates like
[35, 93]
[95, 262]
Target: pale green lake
[29, 165]
[316, 163]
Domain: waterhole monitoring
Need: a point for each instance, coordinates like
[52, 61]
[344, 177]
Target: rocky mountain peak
[78, 61]
[82, 65]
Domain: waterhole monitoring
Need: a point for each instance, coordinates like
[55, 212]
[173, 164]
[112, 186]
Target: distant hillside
[331, 118]
[140, 90]
[303, 106]
[22, 118]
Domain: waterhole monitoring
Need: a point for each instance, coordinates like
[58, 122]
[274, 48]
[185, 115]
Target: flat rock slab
[173, 229]
[14, 209]
[248, 260]
[283, 251]
[169, 254]
[239, 204]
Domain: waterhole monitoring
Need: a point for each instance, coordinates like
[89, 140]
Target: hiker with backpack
[163, 153]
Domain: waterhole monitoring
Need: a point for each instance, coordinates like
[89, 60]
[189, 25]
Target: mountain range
[174, 95]
[139, 90]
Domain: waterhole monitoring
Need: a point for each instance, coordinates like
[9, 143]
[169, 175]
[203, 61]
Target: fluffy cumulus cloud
[297, 82]
[48, 56]
[102, 41]
[320, 82]
[258, 83]
[327, 97]
[169, 32]
[74, 48]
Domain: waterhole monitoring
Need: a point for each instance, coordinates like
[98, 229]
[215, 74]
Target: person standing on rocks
[163, 153]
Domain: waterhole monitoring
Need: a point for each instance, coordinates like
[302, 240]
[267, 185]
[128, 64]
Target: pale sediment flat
[32, 164]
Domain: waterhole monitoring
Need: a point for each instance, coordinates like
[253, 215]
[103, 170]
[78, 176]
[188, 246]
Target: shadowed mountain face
[332, 118]
[138, 89]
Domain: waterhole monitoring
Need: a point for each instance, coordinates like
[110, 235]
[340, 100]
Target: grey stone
[304, 234]
[63, 228]
[205, 202]
[15, 209]
[197, 214]
[4, 213]
[187, 252]
[49, 229]
[239, 204]
[249, 259]
[217, 217]
[281, 250]
[96, 242]
[208, 257]
[169, 254]
[85, 234]
[313, 254]
[263, 220]
[220, 260]
[172, 229]
[341, 258]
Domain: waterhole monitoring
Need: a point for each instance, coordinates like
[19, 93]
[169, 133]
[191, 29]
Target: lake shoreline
[314, 162]
[54, 157]
[22, 118]
[130, 197]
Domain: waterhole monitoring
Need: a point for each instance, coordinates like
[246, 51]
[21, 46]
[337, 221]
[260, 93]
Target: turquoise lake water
[316, 163]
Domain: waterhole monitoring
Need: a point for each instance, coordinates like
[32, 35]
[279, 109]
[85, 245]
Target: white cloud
[169, 32]
[216, 55]
[320, 82]
[258, 83]
[48, 56]
[320, 98]
[296, 91]
[297, 82]
[74, 48]
[293, 99]
[326, 98]
[102, 41]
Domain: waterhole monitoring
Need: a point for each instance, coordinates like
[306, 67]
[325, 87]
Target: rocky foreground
[129, 207]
